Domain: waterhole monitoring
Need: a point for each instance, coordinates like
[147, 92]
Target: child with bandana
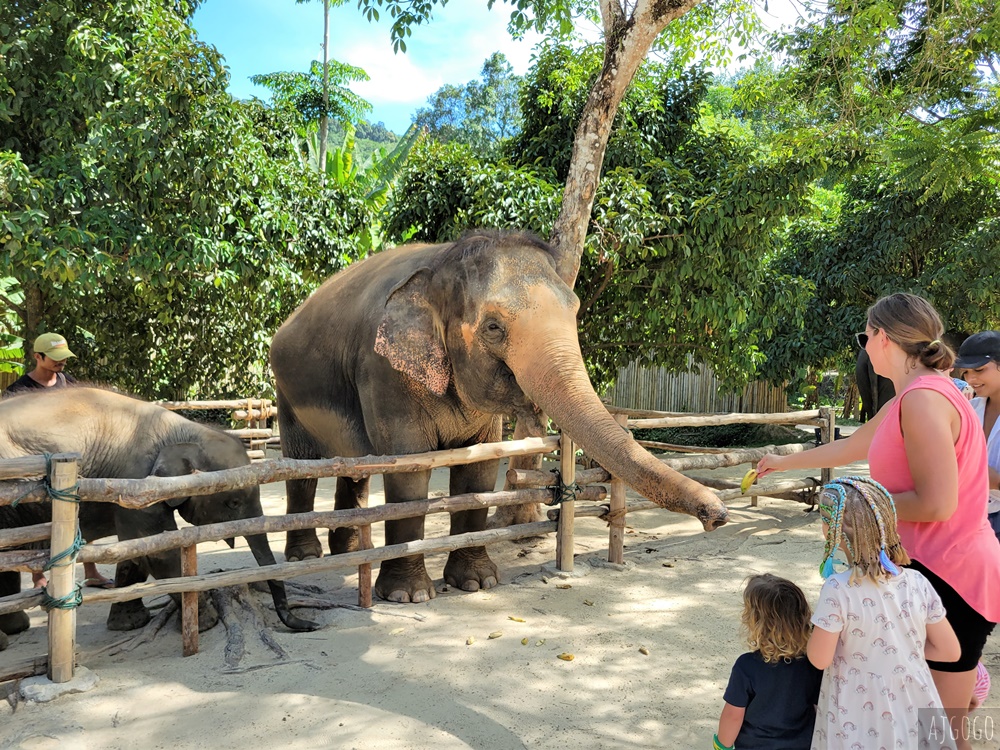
[876, 625]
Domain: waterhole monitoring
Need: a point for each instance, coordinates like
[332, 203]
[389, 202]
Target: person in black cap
[979, 356]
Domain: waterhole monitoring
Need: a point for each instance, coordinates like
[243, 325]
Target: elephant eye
[494, 330]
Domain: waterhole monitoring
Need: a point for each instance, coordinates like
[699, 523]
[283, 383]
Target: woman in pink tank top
[927, 448]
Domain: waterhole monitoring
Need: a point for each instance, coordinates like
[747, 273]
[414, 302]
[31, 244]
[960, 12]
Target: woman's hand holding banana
[768, 463]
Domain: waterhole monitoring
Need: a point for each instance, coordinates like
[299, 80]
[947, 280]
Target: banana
[749, 478]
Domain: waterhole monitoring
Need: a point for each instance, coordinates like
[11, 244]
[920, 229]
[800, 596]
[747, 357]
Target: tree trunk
[33, 319]
[627, 40]
[324, 120]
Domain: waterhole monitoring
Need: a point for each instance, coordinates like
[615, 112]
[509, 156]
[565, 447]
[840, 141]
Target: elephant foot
[208, 615]
[471, 570]
[129, 615]
[302, 545]
[344, 540]
[513, 515]
[14, 622]
[4, 641]
[404, 581]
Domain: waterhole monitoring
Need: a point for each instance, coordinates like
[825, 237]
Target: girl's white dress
[878, 693]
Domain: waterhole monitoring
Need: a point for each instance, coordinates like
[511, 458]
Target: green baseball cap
[53, 346]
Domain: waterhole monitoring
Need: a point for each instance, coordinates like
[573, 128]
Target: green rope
[69, 495]
[562, 493]
[67, 556]
[70, 601]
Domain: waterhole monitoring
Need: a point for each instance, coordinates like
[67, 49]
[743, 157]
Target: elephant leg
[471, 569]
[132, 614]
[296, 442]
[13, 622]
[167, 564]
[405, 579]
[135, 524]
[350, 494]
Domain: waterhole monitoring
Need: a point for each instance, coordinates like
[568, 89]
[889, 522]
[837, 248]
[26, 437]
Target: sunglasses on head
[862, 338]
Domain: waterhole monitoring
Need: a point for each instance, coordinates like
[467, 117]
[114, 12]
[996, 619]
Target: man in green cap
[51, 353]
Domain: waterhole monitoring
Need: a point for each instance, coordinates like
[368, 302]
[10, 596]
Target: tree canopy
[481, 114]
[163, 227]
[685, 216]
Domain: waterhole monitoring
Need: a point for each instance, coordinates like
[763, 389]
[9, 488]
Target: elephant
[118, 436]
[425, 347]
[875, 390]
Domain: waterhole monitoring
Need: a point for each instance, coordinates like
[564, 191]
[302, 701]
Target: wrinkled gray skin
[875, 390]
[122, 437]
[422, 348]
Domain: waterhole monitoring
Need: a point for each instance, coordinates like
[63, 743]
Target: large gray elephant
[422, 348]
[122, 437]
[875, 390]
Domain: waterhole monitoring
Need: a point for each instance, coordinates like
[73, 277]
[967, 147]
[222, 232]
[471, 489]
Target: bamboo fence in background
[640, 387]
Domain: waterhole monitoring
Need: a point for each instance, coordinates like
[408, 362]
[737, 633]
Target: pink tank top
[963, 550]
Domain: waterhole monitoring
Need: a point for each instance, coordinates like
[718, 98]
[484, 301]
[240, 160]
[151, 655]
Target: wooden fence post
[365, 569]
[62, 575]
[826, 435]
[189, 602]
[567, 508]
[616, 511]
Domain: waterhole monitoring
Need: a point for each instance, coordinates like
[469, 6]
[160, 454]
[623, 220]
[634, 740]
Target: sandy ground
[406, 676]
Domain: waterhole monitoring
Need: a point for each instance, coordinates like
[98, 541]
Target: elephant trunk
[263, 555]
[557, 381]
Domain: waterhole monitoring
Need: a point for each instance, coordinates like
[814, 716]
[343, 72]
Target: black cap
[979, 349]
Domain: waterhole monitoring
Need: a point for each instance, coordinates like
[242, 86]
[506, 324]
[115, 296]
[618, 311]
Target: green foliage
[904, 83]
[684, 220]
[302, 93]
[726, 436]
[165, 229]
[444, 190]
[876, 237]
[373, 178]
[481, 114]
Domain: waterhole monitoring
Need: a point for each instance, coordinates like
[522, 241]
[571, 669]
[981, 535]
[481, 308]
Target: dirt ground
[429, 675]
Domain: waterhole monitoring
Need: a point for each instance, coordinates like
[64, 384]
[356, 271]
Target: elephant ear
[177, 460]
[411, 335]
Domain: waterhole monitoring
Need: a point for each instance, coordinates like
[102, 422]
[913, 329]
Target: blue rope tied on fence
[562, 493]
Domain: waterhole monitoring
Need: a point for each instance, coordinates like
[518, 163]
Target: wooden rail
[531, 487]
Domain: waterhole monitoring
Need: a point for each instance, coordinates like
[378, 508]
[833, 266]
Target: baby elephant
[122, 437]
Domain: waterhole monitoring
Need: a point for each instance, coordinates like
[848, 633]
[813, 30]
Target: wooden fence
[639, 387]
[252, 413]
[531, 487]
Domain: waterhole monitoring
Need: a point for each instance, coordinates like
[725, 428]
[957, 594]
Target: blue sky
[265, 36]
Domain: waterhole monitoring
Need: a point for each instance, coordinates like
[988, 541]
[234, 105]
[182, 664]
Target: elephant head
[489, 320]
[214, 451]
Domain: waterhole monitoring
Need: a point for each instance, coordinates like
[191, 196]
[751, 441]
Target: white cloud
[394, 79]
[451, 48]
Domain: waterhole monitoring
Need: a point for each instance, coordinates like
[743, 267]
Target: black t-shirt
[27, 383]
[780, 701]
